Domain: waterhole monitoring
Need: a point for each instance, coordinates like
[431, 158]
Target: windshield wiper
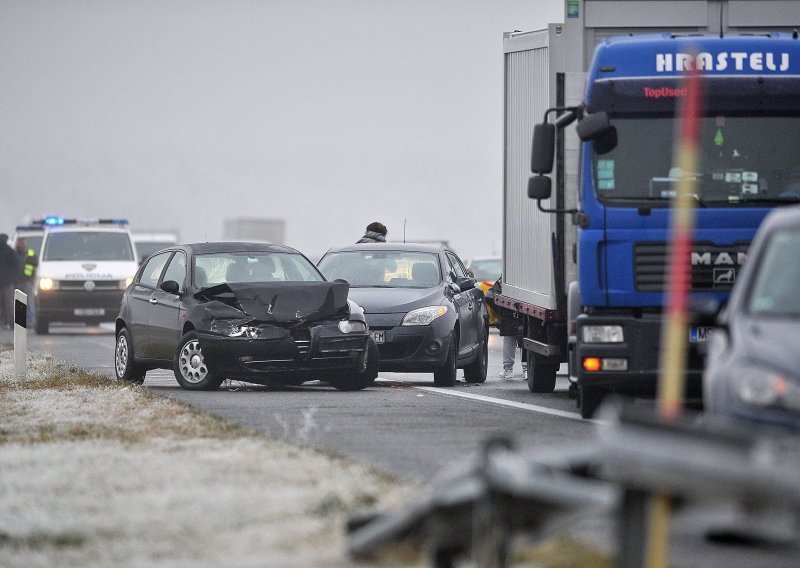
[767, 199]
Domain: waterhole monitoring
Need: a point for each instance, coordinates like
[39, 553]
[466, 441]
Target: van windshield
[88, 245]
[743, 160]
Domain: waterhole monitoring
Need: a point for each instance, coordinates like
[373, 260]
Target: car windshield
[146, 248]
[383, 269]
[487, 269]
[774, 291]
[240, 267]
[88, 245]
[742, 159]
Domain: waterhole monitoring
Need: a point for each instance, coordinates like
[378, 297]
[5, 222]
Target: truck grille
[714, 267]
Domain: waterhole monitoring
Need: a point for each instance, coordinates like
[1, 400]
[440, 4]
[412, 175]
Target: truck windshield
[743, 159]
[88, 245]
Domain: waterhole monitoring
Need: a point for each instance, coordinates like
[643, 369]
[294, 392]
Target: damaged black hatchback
[254, 312]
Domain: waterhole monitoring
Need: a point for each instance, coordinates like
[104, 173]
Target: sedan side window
[152, 270]
[455, 266]
[177, 270]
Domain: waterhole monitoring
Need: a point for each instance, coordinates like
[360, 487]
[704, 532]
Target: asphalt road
[406, 427]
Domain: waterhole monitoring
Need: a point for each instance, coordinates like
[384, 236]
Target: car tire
[360, 381]
[542, 377]
[125, 366]
[189, 365]
[42, 325]
[445, 376]
[590, 399]
[476, 372]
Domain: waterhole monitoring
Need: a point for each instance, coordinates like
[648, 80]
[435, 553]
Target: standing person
[376, 233]
[510, 331]
[28, 260]
[9, 269]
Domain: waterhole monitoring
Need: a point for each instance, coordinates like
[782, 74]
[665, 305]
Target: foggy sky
[329, 114]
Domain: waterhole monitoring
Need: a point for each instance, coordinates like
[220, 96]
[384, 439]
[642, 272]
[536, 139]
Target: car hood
[276, 302]
[395, 300]
[772, 341]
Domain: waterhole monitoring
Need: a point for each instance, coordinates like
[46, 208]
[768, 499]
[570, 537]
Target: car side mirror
[465, 283]
[170, 286]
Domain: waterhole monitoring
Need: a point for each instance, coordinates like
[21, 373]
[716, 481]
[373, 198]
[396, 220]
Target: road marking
[509, 403]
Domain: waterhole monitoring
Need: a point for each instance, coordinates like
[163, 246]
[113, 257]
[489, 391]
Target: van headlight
[424, 316]
[46, 284]
[352, 326]
[123, 284]
[602, 334]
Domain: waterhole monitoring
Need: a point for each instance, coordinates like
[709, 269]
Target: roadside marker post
[20, 334]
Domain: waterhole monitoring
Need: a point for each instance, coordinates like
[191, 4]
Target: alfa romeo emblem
[89, 285]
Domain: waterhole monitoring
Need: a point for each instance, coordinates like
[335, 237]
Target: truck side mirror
[539, 187]
[593, 126]
[543, 149]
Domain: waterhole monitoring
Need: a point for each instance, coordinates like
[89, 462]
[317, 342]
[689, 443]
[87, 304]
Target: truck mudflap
[632, 365]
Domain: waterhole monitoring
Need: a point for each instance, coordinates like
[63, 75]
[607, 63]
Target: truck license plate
[699, 334]
[378, 336]
[90, 311]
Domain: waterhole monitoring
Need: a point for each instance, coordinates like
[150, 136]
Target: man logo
[724, 276]
[89, 285]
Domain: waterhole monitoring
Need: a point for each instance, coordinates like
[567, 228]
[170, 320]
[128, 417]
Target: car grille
[710, 269]
[302, 340]
[398, 350]
[97, 284]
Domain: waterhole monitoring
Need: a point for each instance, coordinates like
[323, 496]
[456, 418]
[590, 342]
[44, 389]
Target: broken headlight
[235, 328]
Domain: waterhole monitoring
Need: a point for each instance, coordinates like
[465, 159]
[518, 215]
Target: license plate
[378, 336]
[90, 311]
[700, 334]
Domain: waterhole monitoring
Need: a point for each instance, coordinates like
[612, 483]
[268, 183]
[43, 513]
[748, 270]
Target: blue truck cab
[748, 163]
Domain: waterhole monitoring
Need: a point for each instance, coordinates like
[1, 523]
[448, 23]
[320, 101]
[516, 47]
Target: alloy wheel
[191, 363]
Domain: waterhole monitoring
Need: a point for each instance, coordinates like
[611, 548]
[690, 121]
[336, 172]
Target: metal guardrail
[476, 507]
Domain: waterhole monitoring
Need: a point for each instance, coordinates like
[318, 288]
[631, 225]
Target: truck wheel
[190, 367]
[590, 399]
[446, 375]
[42, 326]
[476, 372]
[124, 365]
[542, 377]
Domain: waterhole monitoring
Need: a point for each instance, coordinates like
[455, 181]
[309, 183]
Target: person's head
[3, 239]
[376, 227]
[21, 245]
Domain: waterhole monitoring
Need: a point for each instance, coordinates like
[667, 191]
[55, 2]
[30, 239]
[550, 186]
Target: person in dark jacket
[9, 269]
[511, 331]
[376, 233]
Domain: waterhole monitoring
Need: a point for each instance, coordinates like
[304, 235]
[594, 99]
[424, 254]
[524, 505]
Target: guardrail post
[20, 334]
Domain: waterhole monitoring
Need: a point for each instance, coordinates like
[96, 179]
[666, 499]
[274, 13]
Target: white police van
[85, 265]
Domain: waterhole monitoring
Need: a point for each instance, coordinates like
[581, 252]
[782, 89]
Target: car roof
[87, 228]
[203, 248]
[413, 247]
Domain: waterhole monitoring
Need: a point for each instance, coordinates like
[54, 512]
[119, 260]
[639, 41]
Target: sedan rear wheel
[124, 365]
[190, 366]
[446, 375]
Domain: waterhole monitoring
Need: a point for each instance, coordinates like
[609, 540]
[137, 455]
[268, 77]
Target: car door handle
[153, 301]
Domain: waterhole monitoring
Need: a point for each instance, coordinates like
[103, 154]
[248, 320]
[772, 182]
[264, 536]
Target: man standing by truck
[9, 267]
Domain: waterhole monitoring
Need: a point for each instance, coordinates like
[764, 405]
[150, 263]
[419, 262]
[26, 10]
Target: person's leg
[7, 305]
[509, 351]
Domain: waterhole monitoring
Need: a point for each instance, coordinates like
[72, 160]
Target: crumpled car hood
[278, 302]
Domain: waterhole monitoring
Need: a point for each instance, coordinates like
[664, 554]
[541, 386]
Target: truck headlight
[352, 326]
[424, 316]
[602, 334]
[46, 284]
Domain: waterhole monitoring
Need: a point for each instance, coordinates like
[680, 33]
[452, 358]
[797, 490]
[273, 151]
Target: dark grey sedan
[254, 312]
[753, 370]
[423, 310]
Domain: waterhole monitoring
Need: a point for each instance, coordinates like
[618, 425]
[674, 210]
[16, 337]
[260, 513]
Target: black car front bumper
[286, 356]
